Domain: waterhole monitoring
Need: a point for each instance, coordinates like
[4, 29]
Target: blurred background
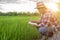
[26, 5]
[15, 15]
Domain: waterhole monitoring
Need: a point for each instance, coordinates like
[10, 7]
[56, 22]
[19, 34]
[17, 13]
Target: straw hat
[40, 5]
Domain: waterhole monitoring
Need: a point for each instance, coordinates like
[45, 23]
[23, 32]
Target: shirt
[48, 19]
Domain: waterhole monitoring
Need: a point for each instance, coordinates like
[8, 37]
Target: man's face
[41, 10]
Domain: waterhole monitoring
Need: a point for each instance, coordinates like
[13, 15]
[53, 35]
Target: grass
[17, 28]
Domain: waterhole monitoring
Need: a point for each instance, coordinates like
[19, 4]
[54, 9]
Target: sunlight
[52, 6]
[26, 7]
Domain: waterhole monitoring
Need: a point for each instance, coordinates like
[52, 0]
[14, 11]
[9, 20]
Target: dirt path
[55, 37]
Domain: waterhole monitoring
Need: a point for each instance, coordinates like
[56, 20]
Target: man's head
[41, 7]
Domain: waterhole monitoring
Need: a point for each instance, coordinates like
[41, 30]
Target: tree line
[18, 14]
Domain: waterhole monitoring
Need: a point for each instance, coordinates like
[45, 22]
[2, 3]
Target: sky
[24, 5]
[19, 1]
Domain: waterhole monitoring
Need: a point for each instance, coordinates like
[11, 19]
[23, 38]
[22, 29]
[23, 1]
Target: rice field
[17, 28]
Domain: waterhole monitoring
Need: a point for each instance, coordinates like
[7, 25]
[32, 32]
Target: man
[47, 23]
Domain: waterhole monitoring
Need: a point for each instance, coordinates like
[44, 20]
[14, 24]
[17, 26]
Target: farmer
[47, 22]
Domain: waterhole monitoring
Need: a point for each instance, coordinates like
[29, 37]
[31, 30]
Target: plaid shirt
[48, 19]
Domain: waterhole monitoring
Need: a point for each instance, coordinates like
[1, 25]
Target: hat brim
[39, 7]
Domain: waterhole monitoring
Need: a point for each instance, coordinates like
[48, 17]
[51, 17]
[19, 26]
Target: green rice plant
[17, 28]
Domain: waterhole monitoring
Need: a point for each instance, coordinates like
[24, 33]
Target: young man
[48, 21]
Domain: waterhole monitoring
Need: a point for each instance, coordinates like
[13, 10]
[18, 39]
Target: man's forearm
[34, 24]
[35, 21]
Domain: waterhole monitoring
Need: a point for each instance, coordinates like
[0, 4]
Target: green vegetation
[14, 26]
[18, 14]
[17, 28]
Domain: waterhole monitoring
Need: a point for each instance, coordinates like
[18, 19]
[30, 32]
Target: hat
[40, 5]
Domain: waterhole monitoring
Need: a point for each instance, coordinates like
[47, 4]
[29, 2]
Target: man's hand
[35, 21]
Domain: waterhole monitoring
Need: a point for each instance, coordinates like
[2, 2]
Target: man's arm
[55, 22]
[33, 24]
[35, 21]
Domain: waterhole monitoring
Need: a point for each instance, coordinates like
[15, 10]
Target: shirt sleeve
[54, 21]
[44, 21]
